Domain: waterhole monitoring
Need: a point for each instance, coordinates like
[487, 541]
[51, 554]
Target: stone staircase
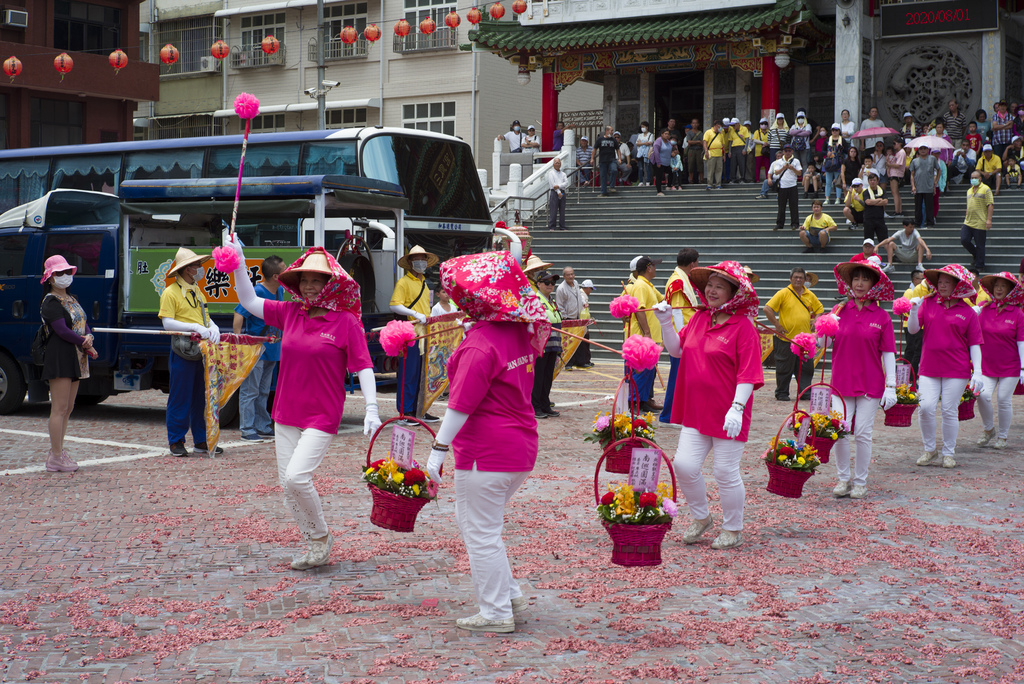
[606, 233]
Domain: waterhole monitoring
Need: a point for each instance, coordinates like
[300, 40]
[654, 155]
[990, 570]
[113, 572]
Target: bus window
[22, 182]
[330, 158]
[81, 250]
[170, 163]
[260, 160]
[99, 172]
[12, 254]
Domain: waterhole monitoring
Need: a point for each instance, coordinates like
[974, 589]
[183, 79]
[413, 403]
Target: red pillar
[769, 88]
[548, 110]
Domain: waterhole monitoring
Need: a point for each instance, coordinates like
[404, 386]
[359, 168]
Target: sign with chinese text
[644, 470]
[902, 373]
[402, 440]
[801, 435]
[821, 400]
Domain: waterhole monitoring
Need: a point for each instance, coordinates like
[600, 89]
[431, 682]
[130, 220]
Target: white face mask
[63, 281]
[643, 129]
[419, 266]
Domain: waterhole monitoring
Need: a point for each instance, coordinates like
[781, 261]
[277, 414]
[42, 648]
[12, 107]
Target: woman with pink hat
[719, 354]
[950, 355]
[322, 339]
[488, 425]
[1002, 353]
[66, 359]
[863, 365]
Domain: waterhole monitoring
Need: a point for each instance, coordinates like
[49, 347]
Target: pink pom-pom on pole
[624, 306]
[901, 307]
[826, 326]
[640, 353]
[396, 335]
[247, 106]
[225, 259]
[804, 345]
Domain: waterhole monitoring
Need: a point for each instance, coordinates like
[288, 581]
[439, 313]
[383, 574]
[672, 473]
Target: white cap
[868, 241]
[616, 133]
[726, 121]
[588, 283]
[986, 148]
[873, 172]
[856, 181]
[1015, 138]
[763, 120]
[632, 264]
[747, 122]
[800, 113]
[734, 120]
[906, 114]
[531, 127]
[780, 115]
[583, 137]
[836, 126]
[875, 259]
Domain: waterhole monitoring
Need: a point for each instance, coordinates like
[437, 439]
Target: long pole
[321, 70]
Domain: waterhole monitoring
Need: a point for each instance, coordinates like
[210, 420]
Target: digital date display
[948, 16]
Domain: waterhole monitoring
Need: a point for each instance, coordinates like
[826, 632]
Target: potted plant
[398, 493]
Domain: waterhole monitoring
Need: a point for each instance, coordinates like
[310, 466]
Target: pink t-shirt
[315, 354]
[714, 360]
[948, 336]
[490, 377]
[864, 335]
[1002, 331]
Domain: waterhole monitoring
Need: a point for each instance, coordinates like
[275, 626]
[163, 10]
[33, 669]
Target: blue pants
[830, 183]
[644, 385]
[609, 171]
[252, 399]
[666, 413]
[409, 380]
[186, 400]
[644, 172]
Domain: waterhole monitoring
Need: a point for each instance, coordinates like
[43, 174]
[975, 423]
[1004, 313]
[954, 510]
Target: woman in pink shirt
[1002, 353]
[322, 338]
[719, 353]
[950, 355]
[490, 424]
[863, 365]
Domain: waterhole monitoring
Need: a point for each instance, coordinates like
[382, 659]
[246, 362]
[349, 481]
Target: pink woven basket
[635, 545]
[966, 409]
[1019, 389]
[786, 482]
[394, 511]
[898, 415]
[823, 446]
[618, 460]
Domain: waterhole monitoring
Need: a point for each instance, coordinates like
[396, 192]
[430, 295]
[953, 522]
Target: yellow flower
[416, 489]
[371, 471]
[782, 459]
[801, 460]
[398, 477]
[835, 436]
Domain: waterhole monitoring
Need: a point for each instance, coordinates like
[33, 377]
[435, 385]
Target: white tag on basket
[402, 440]
[801, 435]
[902, 373]
[821, 400]
[644, 470]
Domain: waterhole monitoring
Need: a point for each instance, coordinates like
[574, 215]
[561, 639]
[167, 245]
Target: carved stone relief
[921, 76]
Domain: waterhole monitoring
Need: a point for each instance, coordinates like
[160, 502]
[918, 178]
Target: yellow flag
[227, 365]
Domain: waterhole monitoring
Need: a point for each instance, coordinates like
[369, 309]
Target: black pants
[556, 210]
[790, 196]
[660, 176]
[913, 349]
[977, 250]
[543, 375]
[875, 229]
[786, 363]
[924, 207]
[581, 357]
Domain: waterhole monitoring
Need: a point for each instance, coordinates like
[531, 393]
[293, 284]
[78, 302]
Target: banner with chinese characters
[148, 276]
[570, 344]
[444, 337]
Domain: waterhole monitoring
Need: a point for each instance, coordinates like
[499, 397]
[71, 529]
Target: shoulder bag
[183, 345]
[40, 339]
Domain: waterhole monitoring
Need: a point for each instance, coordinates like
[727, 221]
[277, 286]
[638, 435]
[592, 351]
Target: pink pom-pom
[901, 307]
[624, 306]
[395, 335]
[826, 326]
[247, 106]
[641, 353]
[804, 345]
[225, 259]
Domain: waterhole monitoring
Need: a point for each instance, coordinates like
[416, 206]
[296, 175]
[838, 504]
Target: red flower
[787, 451]
[414, 476]
[648, 499]
[639, 424]
[376, 464]
[608, 499]
[835, 423]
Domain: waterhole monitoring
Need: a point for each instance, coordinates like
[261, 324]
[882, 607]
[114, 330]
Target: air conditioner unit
[209, 64]
[16, 18]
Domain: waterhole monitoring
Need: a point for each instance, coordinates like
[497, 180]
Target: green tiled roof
[511, 36]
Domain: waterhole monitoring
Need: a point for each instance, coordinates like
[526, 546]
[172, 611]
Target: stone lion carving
[923, 81]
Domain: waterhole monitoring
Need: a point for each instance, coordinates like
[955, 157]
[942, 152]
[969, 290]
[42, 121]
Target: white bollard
[496, 165]
[515, 185]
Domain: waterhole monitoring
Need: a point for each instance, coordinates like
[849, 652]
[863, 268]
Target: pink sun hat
[56, 264]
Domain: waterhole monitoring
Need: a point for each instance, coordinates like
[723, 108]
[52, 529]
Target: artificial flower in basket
[789, 467]
[898, 415]
[637, 522]
[608, 430]
[965, 411]
[827, 429]
[398, 494]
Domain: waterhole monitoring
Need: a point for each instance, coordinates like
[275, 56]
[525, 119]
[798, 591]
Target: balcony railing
[441, 39]
[255, 57]
[336, 50]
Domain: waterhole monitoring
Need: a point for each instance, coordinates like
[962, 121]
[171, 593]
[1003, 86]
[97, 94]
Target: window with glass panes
[256, 28]
[337, 17]
[346, 118]
[418, 10]
[438, 117]
[266, 123]
[84, 27]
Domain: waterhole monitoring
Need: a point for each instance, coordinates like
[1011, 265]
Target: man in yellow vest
[644, 323]
[716, 144]
[679, 292]
[411, 299]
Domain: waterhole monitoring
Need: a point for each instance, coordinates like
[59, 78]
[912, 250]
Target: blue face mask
[975, 181]
[516, 129]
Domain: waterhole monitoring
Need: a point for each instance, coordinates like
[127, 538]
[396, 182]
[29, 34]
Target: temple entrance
[678, 96]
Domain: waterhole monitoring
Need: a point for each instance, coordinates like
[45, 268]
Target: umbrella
[932, 142]
[876, 132]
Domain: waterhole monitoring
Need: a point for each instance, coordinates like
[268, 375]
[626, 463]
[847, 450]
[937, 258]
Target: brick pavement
[173, 570]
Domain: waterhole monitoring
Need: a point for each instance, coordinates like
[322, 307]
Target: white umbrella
[932, 142]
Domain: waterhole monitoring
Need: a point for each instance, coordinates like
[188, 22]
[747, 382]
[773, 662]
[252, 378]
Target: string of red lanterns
[12, 67]
[63, 64]
[270, 45]
[118, 60]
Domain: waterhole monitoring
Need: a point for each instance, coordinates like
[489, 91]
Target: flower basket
[966, 409]
[898, 415]
[820, 436]
[621, 432]
[637, 545]
[391, 510]
[823, 445]
[618, 460]
[790, 465]
[1019, 389]
[786, 481]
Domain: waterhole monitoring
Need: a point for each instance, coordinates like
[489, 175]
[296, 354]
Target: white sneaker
[948, 462]
[519, 604]
[842, 489]
[1000, 443]
[987, 437]
[920, 266]
[478, 623]
[888, 268]
[849, 222]
[927, 458]
[859, 492]
[319, 553]
[727, 540]
[697, 529]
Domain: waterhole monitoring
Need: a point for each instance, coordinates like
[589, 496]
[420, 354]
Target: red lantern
[497, 11]
[12, 67]
[402, 28]
[349, 35]
[371, 33]
[63, 63]
[474, 16]
[220, 49]
[118, 60]
[270, 44]
[168, 54]
[452, 20]
[519, 6]
[428, 26]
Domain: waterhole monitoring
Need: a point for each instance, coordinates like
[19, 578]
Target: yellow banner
[227, 365]
[767, 345]
[444, 336]
[570, 344]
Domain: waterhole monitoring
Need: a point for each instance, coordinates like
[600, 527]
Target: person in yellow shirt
[411, 299]
[853, 208]
[644, 323]
[716, 143]
[761, 151]
[989, 168]
[738, 137]
[791, 311]
[978, 219]
[679, 292]
[816, 228]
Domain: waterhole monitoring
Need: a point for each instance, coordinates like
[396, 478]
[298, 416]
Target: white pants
[1004, 399]
[949, 390]
[689, 463]
[860, 411]
[480, 499]
[299, 453]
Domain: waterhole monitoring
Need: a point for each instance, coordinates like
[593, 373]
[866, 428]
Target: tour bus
[119, 212]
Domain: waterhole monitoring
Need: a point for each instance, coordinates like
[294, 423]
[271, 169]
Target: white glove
[1022, 377]
[663, 312]
[733, 422]
[204, 333]
[371, 421]
[235, 243]
[214, 332]
[419, 317]
[434, 464]
[914, 301]
[977, 383]
[888, 398]
[977, 309]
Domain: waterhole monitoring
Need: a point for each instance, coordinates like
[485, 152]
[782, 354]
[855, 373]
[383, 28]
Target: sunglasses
[63, 273]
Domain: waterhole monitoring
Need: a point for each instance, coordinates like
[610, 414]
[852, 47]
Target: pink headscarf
[1015, 297]
[744, 302]
[962, 290]
[881, 291]
[341, 293]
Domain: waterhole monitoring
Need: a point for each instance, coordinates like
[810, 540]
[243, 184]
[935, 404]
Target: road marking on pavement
[91, 462]
[83, 440]
[602, 400]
